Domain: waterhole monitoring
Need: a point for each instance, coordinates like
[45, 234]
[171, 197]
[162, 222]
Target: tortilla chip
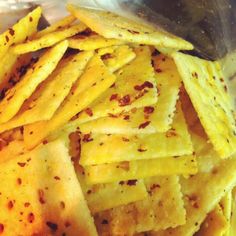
[108, 148]
[15, 97]
[120, 56]
[214, 224]
[105, 173]
[40, 203]
[110, 25]
[135, 87]
[160, 115]
[92, 42]
[154, 212]
[204, 83]
[20, 31]
[48, 40]
[64, 22]
[85, 91]
[55, 89]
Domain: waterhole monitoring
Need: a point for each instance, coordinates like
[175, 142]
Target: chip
[41, 180]
[119, 57]
[92, 42]
[109, 148]
[15, 97]
[200, 201]
[48, 40]
[20, 31]
[64, 22]
[55, 89]
[135, 87]
[85, 91]
[204, 83]
[154, 212]
[110, 25]
[214, 224]
[105, 173]
[160, 115]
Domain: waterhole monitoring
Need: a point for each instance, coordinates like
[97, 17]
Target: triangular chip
[135, 87]
[48, 40]
[55, 89]
[20, 31]
[105, 173]
[110, 25]
[93, 82]
[47, 198]
[159, 115]
[204, 83]
[108, 148]
[64, 22]
[15, 97]
[92, 42]
[154, 212]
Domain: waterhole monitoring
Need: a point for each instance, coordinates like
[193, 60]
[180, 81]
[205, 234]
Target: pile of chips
[102, 134]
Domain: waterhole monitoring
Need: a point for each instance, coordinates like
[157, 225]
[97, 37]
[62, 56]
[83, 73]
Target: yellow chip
[64, 22]
[203, 191]
[20, 31]
[92, 42]
[203, 81]
[15, 97]
[42, 180]
[155, 212]
[160, 115]
[105, 173]
[113, 26]
[214, 224]
[120, 56]
[48, 40]
[135, 87]
[86, 90]
[54, 89]
[106, 148]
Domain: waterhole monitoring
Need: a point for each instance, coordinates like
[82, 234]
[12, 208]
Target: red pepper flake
[142, 150]
[30, 19]
[125, 139]
[57, 178]
[148, 110]
[87, 138]
[106, 56]
[52, 226]
[171, 133]
[113, 85]
[126, 117]
[11, 31]
[132, 182]
[144, 125]
[155, 53]
[158, 70]
[26, 204]
[154, 186]
[146, 84]
[45, 142]
[19, 181]
[10, 205]
[104, 222]
[122, 182]
[1, 228]
[21, 164]
[41, 196]
[89, 111]
[7, 38]
[124, 101]
[114, 97]
[31, 217]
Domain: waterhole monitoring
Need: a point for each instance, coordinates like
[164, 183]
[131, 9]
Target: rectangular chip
[15, 97]
[110, 25]
[108, 148]
[204, 83]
